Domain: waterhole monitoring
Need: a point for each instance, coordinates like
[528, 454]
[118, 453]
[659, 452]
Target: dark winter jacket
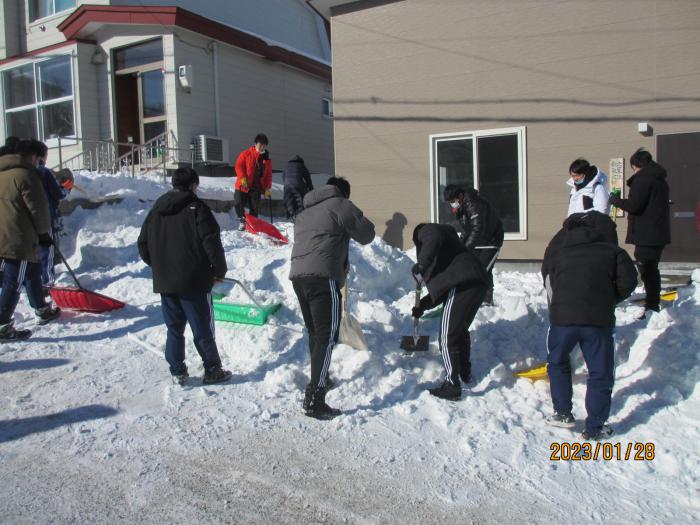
[600, 222]
[297, 183]
[445, 261]
[586, 277]
[24, 211]
[322, 233]
[55, 193]
[649, 221]
[180, 240]
[479, 220]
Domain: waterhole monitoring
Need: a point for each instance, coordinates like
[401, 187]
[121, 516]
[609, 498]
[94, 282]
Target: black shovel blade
[410, 344]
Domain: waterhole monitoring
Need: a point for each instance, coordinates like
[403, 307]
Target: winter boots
[47, 313]
[561, 420]
[181, 379]
[315, 404]
[8, 333]
[604, 433]
[241, 226]
[448, 391]
[216, 375]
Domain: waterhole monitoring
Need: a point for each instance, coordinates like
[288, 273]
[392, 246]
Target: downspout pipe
[217, 113]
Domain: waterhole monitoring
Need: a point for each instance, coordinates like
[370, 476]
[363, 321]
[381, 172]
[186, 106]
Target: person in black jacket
[455, 278]
[585, 278]
[180, 240]
[649, 221]
[297, 183]
[483, 230]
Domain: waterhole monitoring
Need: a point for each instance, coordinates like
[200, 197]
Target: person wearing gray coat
[322, 234]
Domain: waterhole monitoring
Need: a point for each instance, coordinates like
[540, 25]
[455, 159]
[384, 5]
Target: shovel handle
[245, 290]
[55, 247]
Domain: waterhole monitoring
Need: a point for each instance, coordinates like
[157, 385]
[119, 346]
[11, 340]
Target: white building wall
[11, 28]
[44, 31]
[291, 22]
[255, 95]
[262, 96]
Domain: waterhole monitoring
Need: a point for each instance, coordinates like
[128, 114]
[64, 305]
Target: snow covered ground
[93, 430]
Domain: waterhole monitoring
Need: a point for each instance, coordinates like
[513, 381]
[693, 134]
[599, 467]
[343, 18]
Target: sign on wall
[617, 183]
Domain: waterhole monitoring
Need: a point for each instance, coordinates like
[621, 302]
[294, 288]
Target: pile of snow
[148, 187]
[396, 454]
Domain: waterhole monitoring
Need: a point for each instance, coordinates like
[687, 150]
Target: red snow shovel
[79, 298]
[415, 342]
[257, 226]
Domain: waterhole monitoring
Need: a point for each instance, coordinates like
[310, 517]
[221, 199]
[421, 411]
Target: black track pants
[320, 303]
[459, 310]
[648, 258]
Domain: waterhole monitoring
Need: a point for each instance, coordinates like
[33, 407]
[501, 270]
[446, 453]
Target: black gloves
[416, 270]
[45, 239]
[417, 312]
[615, 199]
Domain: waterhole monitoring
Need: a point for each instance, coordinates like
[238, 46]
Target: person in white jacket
[589, 188]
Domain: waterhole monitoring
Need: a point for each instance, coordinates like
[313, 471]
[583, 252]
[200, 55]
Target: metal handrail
[101, 155]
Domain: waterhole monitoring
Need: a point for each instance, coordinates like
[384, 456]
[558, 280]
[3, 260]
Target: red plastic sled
[257, 226]
[83, 300]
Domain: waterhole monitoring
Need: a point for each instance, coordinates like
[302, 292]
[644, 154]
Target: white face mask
[455, 205]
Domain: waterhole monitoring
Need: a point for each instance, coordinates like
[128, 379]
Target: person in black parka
[649, 221]
[483, 230]
[180, 240]
[455, 278]
[585, 277]
[297, 183]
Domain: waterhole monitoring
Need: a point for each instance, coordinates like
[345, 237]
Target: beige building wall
[578, 75]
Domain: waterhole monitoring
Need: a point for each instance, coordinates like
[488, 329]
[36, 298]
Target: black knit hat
[183, 178]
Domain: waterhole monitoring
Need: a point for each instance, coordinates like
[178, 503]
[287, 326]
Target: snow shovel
[350, 332]
[534, 373]
[257, 226]
[79, 298]
[415, 342]
[256, 314]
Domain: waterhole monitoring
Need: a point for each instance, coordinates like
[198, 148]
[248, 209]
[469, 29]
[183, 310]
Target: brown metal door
[679, 154]
[126, 92]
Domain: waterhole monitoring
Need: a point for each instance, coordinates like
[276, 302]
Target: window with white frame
[327, 107]
[38, 99]
[43, 8]
[491, 161]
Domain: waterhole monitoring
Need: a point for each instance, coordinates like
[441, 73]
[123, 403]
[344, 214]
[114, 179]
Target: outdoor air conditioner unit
[210, 150]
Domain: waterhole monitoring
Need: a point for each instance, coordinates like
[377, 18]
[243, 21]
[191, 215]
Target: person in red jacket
[253, 178]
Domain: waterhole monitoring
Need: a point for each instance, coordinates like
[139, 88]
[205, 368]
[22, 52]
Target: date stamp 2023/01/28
[606, 451]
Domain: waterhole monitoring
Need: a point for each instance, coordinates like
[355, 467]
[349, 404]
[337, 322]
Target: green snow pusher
[255, 314]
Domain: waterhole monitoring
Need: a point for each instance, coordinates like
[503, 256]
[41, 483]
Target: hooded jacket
[585, 277]
[251, 176]
[180, 240]
[322, 233]
[297, 183]
[649, 221]
[478, 218]
[446, 262]
[24, 210]
[592, 194]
